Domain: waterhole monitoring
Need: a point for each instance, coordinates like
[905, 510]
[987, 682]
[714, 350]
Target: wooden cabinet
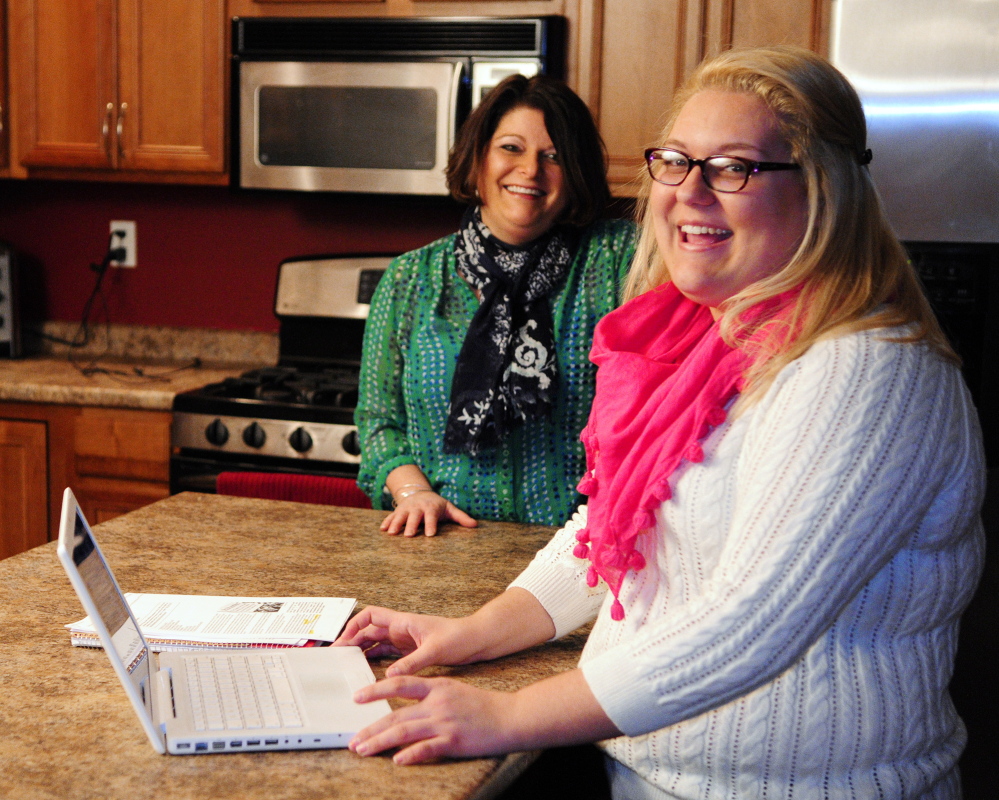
[626, 58]
[115, 460]
[4, 105]
[118, 89]
[23, 495]
[121, 459]
[135, 89]
[647, 48]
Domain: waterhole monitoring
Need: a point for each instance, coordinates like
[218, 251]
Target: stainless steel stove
[298, 416]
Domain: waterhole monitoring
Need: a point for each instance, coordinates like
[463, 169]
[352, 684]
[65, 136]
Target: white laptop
[217, 701]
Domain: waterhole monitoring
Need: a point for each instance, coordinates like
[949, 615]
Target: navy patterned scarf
[507, 372]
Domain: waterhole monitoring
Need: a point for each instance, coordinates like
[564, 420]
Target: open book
[185, 622]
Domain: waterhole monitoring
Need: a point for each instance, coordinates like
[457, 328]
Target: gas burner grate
[331, 387]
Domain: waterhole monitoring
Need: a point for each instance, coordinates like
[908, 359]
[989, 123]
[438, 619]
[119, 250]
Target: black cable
[84, 334]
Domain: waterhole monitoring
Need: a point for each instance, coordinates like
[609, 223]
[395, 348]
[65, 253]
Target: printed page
[224, 620]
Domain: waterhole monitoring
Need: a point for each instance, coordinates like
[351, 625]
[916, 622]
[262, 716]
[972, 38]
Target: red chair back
[318, 489]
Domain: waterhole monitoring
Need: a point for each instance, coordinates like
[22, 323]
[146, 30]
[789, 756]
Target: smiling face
[521, 186]
[716, 244]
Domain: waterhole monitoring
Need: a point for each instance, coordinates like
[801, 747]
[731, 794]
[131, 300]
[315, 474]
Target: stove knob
[300, 440]
[254, 435]
[217, 433]
[351, 444]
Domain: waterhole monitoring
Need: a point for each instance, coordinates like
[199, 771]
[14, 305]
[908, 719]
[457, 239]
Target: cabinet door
[649, 47]
[120, 459]
[62, 70]
[122, 443]
[645, 57]
[24, 487]
[103, 498]
[4, 105]
[170, 96]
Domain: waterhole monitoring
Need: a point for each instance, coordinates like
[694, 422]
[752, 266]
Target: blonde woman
[784, 475]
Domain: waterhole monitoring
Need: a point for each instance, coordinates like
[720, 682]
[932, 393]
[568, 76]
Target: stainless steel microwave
[369, 105]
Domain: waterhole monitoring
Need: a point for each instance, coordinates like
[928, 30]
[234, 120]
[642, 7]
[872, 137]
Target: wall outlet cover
[126, 240]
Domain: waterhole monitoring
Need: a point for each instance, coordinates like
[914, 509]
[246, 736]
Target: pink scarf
[664, 379]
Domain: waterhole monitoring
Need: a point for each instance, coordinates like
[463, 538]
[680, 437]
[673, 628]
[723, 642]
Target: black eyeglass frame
[752, 167]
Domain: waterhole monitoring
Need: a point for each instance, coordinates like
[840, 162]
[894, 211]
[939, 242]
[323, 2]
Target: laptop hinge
[163, 696]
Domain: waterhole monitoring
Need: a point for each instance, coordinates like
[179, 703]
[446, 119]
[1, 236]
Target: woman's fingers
[450, 718]
[398, 728]
[366, 619]
[417, 640]
[459, 516]
[413, 662]
[382, 627]
[422, 515]
[407, 520]
[422, 751]
[424, 509]
[406, 687]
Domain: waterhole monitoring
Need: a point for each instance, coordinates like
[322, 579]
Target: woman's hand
[450, 719]
[424, 508]
[453, 719]
[506, 624]
[416, 503]
[421, 640]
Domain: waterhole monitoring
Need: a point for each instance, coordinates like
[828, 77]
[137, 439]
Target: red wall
[207, 256]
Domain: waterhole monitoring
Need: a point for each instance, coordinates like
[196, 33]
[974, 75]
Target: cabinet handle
[106, 128]
[1, 118]
[121, 128]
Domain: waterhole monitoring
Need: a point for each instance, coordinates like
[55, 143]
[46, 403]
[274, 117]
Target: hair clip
[865, 159]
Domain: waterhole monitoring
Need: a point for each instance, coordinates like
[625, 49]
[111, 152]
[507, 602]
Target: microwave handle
[459, 68]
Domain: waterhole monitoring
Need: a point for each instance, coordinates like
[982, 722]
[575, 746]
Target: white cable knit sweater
[794, 630]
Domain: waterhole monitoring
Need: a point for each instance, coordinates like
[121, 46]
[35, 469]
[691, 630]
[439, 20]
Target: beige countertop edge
[89, 396]
[57, 381]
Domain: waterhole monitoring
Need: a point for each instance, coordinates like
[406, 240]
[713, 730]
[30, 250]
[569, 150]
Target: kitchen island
[70, 731]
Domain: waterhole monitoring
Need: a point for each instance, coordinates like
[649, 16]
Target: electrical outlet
[123, 235]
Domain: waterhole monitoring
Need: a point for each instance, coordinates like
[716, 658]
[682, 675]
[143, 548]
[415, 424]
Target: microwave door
[381, 127]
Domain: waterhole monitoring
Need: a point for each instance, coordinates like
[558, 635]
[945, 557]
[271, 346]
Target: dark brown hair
[574, 134]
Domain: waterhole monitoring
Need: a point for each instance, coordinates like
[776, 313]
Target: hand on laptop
[453, 719]
[420, 640]
[511, 622]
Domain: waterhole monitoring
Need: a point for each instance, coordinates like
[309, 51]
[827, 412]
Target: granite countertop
[69, 730]
[122, 384]
[131, 366]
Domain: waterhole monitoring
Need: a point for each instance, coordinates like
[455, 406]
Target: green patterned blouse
[415, 330]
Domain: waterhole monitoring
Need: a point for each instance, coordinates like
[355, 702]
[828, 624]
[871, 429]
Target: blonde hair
[853, 272]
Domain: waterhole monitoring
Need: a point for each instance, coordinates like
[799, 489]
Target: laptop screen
[111, 607]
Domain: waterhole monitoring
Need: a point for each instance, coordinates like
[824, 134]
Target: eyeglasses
[721, 173]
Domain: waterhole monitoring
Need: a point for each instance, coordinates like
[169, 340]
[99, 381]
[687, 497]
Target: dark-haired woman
[475, 381]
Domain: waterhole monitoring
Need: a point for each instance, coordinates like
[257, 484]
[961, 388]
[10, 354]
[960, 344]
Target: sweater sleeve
[380, 414]
[557, 579]
[861, 449]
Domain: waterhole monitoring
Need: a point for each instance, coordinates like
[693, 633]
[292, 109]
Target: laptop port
[252, 742]
[236, 743]
[270, 741]
[218, 745]
[201, 746]
[183, 745]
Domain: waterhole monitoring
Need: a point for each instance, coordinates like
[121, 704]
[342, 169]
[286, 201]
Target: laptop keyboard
[241, 691]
